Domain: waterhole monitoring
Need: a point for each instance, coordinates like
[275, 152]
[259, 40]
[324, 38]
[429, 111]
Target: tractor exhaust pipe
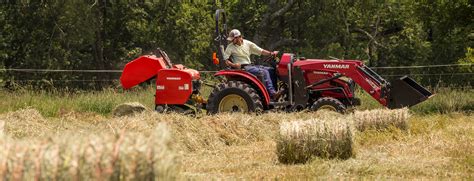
[405, 92]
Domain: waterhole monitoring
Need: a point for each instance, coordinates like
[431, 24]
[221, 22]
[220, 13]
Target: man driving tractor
[237, 55]
[307, 83]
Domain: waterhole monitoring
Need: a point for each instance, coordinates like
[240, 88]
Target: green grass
[446, 100]
[52, 103]
[443, 101]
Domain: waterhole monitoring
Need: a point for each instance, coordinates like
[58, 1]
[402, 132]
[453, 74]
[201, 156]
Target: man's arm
[267, 53]
[228, 60]
[255, 49]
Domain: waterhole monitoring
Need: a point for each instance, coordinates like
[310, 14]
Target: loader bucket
[405, 92]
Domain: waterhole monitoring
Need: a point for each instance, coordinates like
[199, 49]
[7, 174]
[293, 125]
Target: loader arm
[403, 92]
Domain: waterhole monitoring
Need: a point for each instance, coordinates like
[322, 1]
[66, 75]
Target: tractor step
[286, 103]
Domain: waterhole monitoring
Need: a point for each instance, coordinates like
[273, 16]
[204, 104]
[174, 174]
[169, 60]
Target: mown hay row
[380, 119]
[98, 157]
[208, 132]
[26, 122]
[301, 140]
[189, 134]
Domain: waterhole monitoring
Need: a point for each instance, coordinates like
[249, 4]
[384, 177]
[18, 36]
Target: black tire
[160, 108]
[237, 88]
[330, 103]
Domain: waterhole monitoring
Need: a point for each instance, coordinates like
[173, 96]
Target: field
[437, 142]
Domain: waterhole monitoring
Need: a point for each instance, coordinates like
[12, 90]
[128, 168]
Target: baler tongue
[405, 92]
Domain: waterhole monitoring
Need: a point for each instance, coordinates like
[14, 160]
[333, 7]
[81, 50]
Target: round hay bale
[300, 140]
[126, 156]
[380, 119]
[127, 109]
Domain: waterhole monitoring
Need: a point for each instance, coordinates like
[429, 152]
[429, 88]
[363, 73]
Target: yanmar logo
[336, 66]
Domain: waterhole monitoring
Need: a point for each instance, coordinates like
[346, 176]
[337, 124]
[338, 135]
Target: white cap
[233, 34]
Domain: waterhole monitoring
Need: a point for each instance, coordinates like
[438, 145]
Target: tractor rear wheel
[234, 96]
[328, 103]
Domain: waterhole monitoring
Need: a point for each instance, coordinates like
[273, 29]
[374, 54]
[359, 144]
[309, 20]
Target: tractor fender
[248, 78]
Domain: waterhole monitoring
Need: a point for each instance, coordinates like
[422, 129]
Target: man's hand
[233, 65]
[268, 53]
[272, 54]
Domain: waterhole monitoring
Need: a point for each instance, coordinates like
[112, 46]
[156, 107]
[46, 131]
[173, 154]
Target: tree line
[106, 34]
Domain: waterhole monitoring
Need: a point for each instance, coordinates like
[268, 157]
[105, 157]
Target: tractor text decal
[173, 78]
[336, 66]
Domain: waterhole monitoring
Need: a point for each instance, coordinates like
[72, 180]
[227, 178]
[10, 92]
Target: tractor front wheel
[328, 103]
[234, 96]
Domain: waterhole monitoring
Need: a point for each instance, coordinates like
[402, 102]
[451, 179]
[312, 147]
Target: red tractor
[307, 83]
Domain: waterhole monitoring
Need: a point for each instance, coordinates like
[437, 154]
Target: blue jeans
[268, 74]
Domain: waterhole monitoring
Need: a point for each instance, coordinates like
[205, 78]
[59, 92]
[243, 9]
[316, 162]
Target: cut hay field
[53, 135]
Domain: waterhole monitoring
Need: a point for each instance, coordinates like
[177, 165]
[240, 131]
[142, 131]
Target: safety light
[215, 60]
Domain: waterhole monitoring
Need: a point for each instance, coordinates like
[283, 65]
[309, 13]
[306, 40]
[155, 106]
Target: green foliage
[469, 59]
[108, 34]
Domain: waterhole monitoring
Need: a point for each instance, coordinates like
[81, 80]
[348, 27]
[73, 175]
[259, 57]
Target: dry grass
[2, 128]
[208, 132]
[381, 119]
[127, 109]
[239, 146]
[100, 157]
[299, 141]
[436, 147]
[26, 122]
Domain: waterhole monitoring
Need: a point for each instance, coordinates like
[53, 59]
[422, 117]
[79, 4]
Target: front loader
[307, 84]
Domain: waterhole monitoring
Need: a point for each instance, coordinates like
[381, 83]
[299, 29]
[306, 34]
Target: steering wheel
[275, 56]
[165, 57]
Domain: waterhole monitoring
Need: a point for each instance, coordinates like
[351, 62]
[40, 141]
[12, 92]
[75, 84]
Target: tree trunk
[100, 36]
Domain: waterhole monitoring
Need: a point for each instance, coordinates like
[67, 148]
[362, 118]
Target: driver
[240, 50]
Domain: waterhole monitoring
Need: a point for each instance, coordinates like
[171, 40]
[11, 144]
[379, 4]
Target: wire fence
[447, 75]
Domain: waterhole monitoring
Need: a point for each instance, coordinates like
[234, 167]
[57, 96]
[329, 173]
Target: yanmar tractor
[306, 83]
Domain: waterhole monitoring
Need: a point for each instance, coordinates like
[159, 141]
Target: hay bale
[92, 157]
[380, 119]
[127, 109]
[300, 140]
[26, 123]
